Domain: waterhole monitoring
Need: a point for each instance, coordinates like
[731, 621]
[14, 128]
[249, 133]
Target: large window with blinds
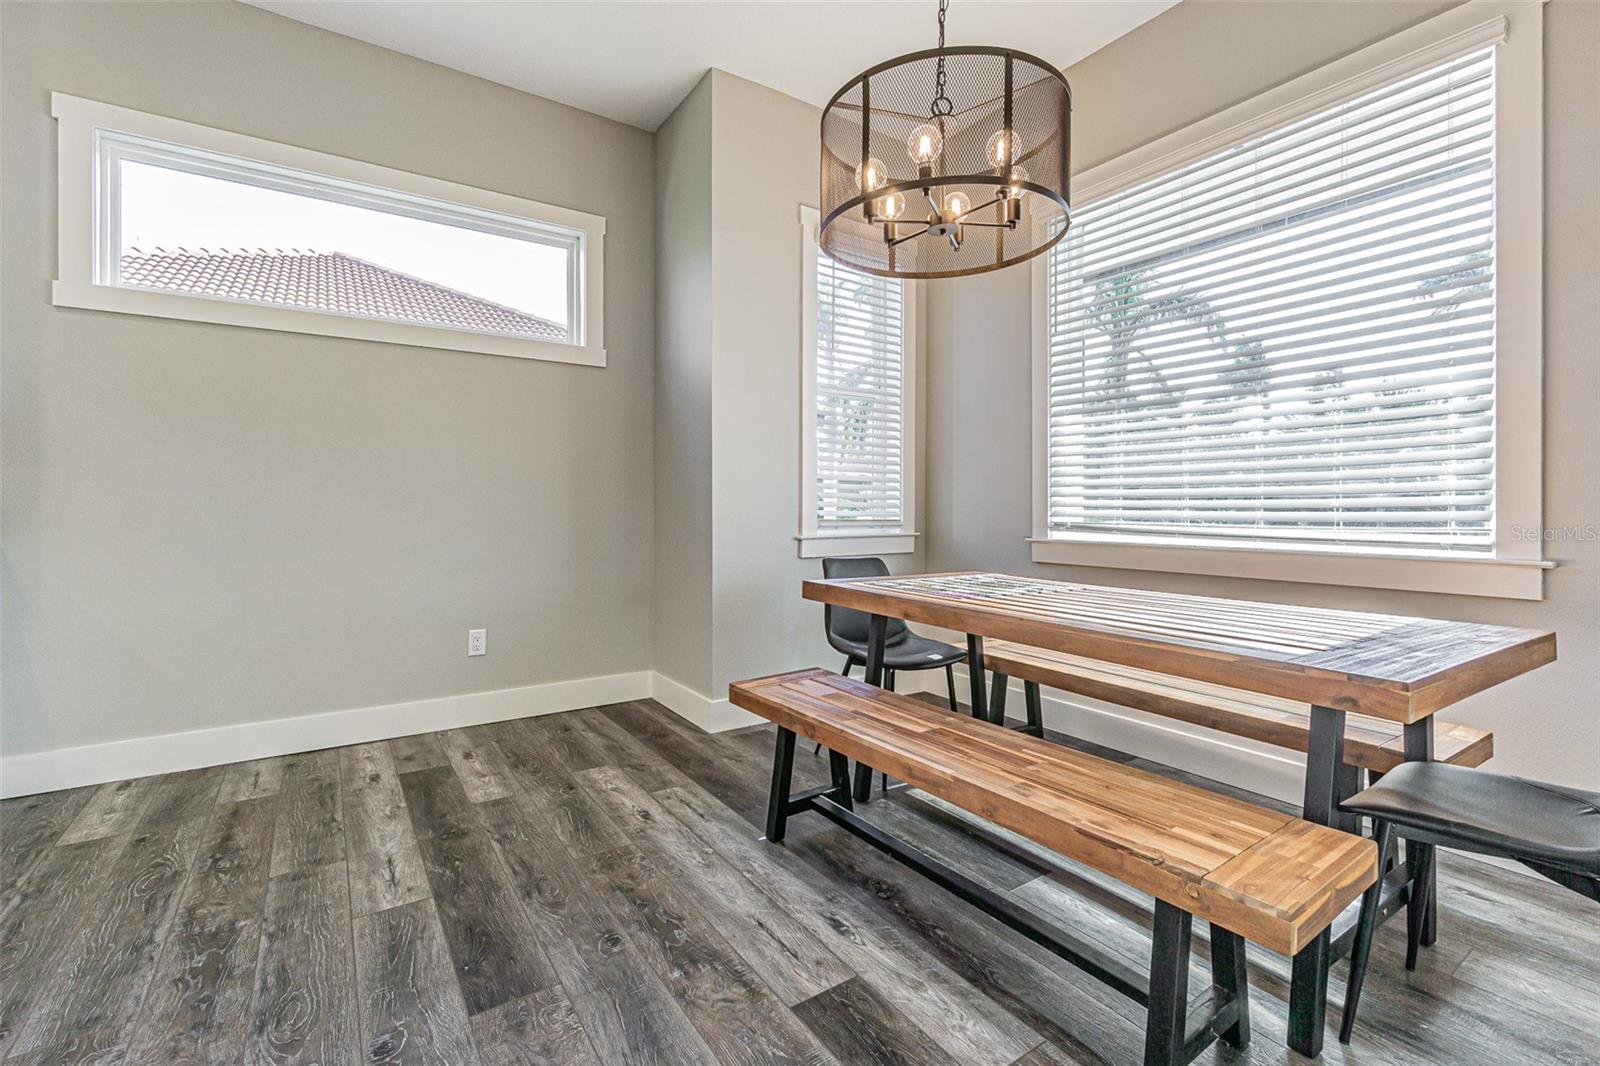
[857, 352]
[1292, 340]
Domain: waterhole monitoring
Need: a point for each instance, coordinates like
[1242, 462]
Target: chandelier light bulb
[871, 175]
[1014, 189]
[925, 144]
[889, 207]
[1002, 148]
[956, 204]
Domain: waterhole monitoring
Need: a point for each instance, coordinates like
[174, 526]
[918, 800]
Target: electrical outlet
[477, 641]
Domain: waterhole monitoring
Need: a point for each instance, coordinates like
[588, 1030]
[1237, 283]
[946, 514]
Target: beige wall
[683, 392]
[206, 525]
[764, 151]
[762, 167]
[1193, 61]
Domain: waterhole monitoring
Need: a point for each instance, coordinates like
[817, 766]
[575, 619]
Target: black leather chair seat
[1525, 820]
[910, 652]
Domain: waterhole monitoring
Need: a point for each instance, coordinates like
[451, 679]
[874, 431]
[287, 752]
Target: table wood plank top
[1387, 666]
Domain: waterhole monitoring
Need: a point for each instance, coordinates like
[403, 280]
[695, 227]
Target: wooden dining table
[1338, 662]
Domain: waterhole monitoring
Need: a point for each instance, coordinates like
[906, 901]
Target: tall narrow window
[856, 492]
[1292, 340]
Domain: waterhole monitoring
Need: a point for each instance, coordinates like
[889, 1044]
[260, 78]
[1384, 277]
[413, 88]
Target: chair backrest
[847, 624]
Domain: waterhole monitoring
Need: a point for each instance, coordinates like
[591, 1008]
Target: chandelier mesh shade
[946, 162]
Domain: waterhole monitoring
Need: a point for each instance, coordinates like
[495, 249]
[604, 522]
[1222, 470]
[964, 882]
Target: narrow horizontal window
[204, 224]
[1291, 341]
[183, 221]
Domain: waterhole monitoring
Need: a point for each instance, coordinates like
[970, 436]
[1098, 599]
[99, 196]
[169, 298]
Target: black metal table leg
[1030, 695]
[1167, 1011]
[1418, 742]
[1346, 783]
[980, 702]
[1229, 973]
[1308, 989]
[877, 632]
[997, 697]
[782, 774]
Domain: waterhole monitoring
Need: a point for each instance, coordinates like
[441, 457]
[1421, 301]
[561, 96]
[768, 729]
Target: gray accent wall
[204, 525]
[1190, 62]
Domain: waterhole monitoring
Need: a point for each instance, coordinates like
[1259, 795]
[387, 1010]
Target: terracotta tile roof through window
[326, 281]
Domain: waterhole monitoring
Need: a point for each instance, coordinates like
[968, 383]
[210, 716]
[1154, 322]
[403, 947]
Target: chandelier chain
[941, 105]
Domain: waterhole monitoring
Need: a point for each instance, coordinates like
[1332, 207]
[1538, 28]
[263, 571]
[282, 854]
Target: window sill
[823, 545]
[193, 308]
[1499, 577]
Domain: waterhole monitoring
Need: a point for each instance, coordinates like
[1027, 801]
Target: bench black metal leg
[1030, 696]
[839, 771]
[782, 774]
[1167, 1011]
[1308, 996]
[1229, 973]
[950, 683]
[1308, 989]
[980, 702]
[997, 698]
[1382, 834]
[877, 632]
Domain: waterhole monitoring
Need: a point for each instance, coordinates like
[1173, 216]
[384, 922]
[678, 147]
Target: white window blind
[860, 411]
[1292, 340]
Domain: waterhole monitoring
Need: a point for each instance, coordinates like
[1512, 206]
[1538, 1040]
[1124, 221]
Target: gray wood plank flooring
[592, 889]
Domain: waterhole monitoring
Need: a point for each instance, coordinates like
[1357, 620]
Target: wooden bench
[1251, 873]
[1374, 744]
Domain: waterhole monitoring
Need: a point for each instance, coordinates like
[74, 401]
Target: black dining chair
[1551, 829]
[902, 650]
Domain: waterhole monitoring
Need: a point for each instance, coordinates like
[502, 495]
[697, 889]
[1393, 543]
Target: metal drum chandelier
[946, 162]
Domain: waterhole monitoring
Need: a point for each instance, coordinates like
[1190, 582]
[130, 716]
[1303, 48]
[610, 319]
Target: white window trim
[815, 543]
[81, 238]
[1515, 569]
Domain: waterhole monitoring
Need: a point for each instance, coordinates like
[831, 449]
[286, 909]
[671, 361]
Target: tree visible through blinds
[859, 408]
[1291, 340]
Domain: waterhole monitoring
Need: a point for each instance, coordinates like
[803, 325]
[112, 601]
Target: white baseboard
[93, 764]
[711, 715]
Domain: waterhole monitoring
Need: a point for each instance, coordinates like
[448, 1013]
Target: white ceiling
[634, 60]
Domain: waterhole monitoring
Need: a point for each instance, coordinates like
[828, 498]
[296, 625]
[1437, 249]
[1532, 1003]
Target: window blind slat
[1292, 340]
